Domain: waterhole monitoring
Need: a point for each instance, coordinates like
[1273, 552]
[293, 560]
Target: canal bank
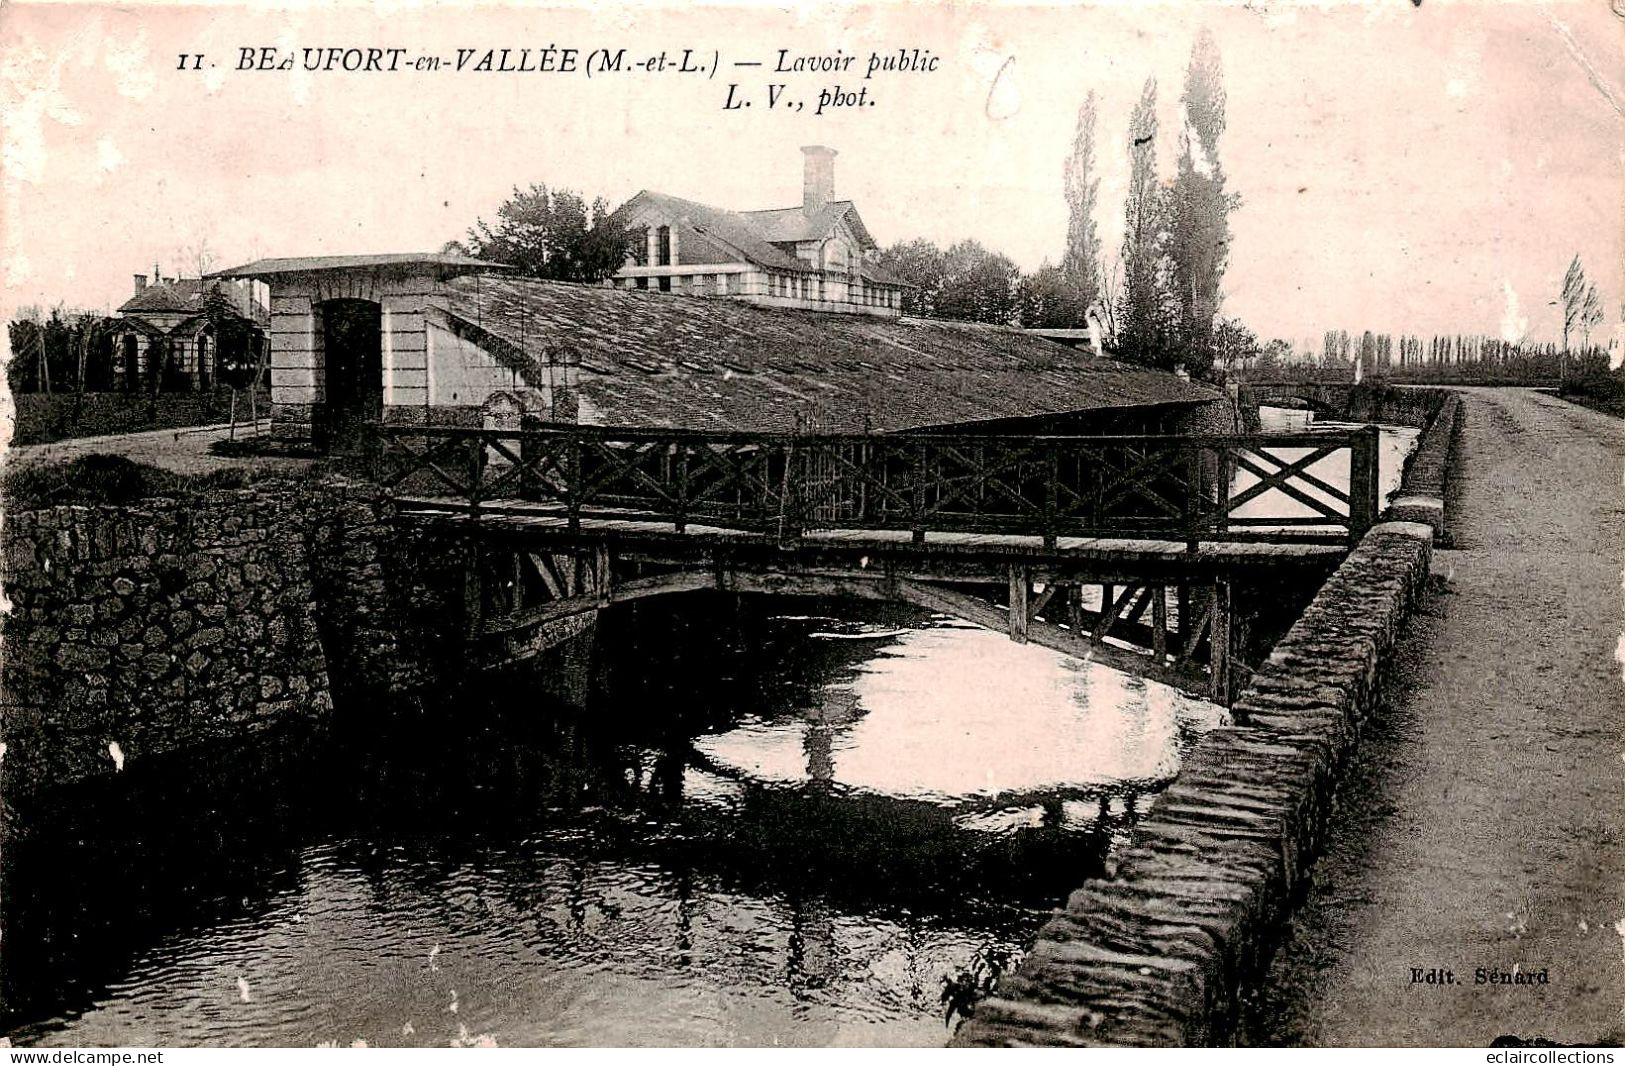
[823, 742]
[162, 625]
[1163, 951]
[1484, 816]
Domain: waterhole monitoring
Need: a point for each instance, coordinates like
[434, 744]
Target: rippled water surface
[775, 821]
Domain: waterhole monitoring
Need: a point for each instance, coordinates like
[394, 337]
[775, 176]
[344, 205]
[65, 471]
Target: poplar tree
[1200, 240]
[1080, 266]
[1140, 326]
[1572, 298]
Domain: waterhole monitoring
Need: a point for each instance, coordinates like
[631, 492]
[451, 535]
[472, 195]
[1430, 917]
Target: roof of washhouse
[663, 360]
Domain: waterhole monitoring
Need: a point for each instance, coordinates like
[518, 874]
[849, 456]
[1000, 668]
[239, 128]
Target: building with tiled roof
[639, 360]
[432, 340]
[164, 332]
[817, 256]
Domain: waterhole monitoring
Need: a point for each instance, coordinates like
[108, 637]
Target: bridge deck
[522, 516]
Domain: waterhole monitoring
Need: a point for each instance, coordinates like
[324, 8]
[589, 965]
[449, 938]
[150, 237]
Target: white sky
[1402, 168]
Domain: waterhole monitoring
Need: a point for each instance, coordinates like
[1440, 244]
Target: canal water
[773, 821]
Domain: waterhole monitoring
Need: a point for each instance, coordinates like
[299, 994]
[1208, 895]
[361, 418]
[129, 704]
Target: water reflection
[774, 822]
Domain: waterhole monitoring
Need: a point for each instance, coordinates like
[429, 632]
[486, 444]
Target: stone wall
[389, 597]
[43, 418]
[154, 628]
[1421, 492]
[170, 625]
[1157, 955]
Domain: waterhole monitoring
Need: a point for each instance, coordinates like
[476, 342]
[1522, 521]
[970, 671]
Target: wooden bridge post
[1159, 623]
[1020, 582]
[1219, 637]
[1364, 487]
[1185, 624]
[473, 590]
[600, 575]
[680, 518]
[1052, 498]
[476, 474]
[1225, 458]
[573, 481]
[917, 519]
[516, 587]
[1193, 501]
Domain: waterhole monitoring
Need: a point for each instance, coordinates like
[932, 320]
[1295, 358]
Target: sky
[1401, 167]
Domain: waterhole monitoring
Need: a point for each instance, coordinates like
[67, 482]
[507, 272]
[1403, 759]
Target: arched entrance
[131, 355]
[352, 369]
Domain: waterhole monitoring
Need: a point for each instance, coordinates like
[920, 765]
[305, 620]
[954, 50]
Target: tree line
[1413, 358]
[1158, 300]
[65, 351]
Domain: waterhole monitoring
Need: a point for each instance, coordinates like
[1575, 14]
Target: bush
[106, 479]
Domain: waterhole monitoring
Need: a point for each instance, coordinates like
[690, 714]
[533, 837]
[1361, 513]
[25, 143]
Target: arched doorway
[352, 369]
[131, 353]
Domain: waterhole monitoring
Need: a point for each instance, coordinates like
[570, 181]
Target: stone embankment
[172, 624]
[145, 629]
[1159, 953]
[1421, 495]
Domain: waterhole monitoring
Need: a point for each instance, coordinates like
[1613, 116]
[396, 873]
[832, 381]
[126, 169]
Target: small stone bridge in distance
[1148, 554]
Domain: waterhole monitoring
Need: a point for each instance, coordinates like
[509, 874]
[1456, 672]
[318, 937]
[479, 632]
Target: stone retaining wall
[1422, 490]
[171, 625]
[1158, 954]
[153, 627]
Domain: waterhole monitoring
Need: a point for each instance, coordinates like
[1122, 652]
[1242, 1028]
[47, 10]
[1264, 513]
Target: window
[663, 247]
[665, 283]
[643, 283]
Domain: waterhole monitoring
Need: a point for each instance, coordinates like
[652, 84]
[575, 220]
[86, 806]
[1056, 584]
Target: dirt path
[184, 451]
[1484, 822]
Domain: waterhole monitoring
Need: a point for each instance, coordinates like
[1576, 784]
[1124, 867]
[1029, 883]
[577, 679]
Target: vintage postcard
[537, 524]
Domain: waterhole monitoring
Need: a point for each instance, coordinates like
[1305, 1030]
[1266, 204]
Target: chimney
[817, 177]
[140, 284]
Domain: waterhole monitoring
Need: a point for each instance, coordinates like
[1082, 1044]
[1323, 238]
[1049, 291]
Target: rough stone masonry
[1156, 955]
[146, 629]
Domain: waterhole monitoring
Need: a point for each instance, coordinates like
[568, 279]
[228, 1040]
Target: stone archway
[349, 340]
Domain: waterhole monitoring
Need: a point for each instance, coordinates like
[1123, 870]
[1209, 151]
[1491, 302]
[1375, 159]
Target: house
[817, 256]
[164, 336]
[442, 339]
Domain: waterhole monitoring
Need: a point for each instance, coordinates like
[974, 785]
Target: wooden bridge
[1127, 550]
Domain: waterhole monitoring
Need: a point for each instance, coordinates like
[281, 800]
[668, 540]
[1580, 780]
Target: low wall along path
[1160, 953]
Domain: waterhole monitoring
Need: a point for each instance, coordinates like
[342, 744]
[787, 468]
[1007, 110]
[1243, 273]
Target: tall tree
[978, 286]
[553, 234]
[923, 265]
[1590, 313]
[1200, 238]
[1048, 299]
[1141, 336]
[1080, 266]
[1572, 297]
[967, 281]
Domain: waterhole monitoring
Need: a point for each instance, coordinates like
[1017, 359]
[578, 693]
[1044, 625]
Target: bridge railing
[1313, 486]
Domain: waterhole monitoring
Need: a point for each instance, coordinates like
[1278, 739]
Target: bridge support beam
[1180, 631]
